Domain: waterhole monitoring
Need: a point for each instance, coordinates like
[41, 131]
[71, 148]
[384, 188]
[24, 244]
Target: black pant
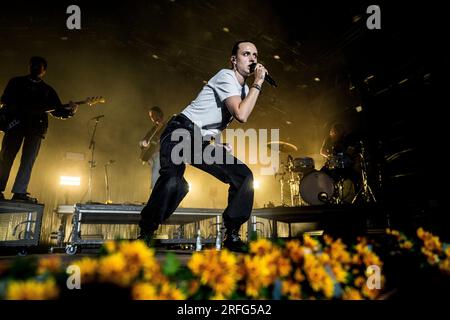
[171, 187]
[12, 141]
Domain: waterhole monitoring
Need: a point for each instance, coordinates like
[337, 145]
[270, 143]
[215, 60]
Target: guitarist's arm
[61, 111]
[9, 95]
[145, 141]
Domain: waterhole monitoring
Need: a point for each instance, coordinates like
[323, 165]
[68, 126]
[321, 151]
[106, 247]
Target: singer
[225, 97]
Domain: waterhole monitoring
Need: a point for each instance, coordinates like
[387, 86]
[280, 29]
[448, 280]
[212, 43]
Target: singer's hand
[260, 72]
[228, 148]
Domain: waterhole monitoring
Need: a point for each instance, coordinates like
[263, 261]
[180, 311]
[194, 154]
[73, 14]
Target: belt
[185, 121]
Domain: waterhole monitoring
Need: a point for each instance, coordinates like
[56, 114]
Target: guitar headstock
[94, 100]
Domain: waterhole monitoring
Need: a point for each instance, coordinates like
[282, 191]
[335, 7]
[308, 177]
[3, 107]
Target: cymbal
[285, 147]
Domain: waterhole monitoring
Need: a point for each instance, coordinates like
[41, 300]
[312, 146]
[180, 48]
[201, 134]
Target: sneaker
[233, 242]
[23, 197]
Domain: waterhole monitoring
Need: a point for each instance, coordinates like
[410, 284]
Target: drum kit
[309, 186]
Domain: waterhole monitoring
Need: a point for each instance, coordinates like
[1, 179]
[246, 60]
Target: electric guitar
[152, 140]
[9, 119]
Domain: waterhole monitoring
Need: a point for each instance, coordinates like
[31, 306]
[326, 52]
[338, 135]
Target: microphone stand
[92, 163]
[108, 196]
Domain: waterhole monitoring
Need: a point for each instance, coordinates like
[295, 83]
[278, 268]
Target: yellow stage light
[69, 181]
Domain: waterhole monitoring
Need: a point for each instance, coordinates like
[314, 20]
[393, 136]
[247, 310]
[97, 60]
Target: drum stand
[365, 192]
[294, 190]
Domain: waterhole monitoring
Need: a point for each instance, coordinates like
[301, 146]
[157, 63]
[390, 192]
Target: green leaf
[171, 265]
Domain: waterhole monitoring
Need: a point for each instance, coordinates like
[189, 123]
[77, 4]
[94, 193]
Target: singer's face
[246, 55]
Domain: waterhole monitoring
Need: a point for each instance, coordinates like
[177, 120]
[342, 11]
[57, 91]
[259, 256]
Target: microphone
[267, 78]
[98, 117]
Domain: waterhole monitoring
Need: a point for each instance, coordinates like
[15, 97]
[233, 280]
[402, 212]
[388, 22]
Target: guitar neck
[77, 102]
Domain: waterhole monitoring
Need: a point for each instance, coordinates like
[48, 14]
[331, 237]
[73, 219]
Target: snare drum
[316, 185]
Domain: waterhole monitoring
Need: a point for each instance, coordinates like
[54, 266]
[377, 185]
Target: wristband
[256, 86]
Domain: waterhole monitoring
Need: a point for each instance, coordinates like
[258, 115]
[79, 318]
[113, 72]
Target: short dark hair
[37, 60]
[235, 49]
[158, 111]
[338, 127]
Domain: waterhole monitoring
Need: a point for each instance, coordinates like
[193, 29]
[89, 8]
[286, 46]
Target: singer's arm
[241, 109]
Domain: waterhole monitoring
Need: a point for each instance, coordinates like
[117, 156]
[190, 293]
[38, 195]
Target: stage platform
[336, 217]
[20, 224]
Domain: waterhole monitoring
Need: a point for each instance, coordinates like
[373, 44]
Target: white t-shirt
[208, 110]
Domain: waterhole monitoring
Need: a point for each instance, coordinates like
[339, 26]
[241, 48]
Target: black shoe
[233, 242]
[148, 239]
[2, 196]
[23, 197]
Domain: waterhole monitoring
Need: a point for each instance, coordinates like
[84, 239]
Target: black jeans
[171, 187]
[12, 141]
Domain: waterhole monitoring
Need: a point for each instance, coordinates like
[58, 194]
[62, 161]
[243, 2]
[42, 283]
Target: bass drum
[316, 185]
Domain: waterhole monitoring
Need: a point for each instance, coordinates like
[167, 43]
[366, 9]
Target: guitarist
[150, 143]
[27, 100]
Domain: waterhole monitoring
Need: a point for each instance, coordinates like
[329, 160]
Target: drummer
[336, 142]
[339, 150]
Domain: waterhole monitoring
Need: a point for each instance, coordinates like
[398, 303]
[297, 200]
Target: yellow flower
[433, 244]
[360, 281]
[370, 293]
[291, 289]
[193, 287]
[260, 247]
[371, 258]
[339, 273]
[110, 246]
[338, 252]
[295, 250]
[310, 242]
[327, 239]
[216, 269]
[447, 251]
[252, 289]
[112, 269]
[284, 267]
[88, 269]
[218, 296]
[197, 263]
[32, 290]
[362, 248]
[407, 245]
[136, 253]
[420, 233]
[154, 275]
[169, 292]
[328, 287]
[444, 265]
[224, 284]
[324, 258]
[260, 272]
[52, 264]
[298, 275]
[351, 294]
[318, 277]
[144, 291]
